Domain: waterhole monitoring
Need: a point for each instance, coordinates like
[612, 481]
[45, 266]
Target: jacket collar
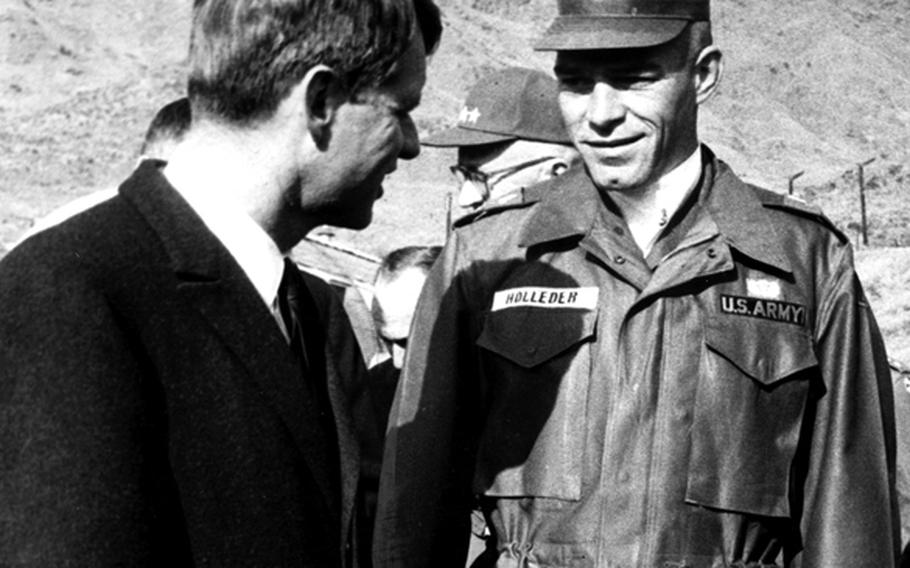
[569, 206]
[741, 217]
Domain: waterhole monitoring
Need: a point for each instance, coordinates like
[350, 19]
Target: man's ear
[709, 68]
[322, 94]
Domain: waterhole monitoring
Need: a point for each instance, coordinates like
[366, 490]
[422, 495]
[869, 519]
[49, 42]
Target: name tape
[532, 296]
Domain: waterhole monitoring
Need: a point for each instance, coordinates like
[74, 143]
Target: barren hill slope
[814, 85]
[810, 84]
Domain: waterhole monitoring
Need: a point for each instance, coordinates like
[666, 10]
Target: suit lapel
[211, 282]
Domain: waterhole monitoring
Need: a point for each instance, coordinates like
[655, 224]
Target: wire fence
[867, 201]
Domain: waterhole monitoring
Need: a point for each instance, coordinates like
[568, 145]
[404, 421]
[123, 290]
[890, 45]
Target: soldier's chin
[613, 179]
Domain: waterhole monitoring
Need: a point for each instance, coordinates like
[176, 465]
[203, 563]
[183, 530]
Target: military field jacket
[724, 402]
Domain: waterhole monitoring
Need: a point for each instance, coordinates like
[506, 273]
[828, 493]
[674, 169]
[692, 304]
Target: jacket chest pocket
[536, 365]
[749, 410]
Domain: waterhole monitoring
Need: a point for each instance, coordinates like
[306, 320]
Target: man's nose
[471, 194]
[605, 107]
[410, 146]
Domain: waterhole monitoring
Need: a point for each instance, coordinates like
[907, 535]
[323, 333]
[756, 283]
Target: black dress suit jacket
[150, 410]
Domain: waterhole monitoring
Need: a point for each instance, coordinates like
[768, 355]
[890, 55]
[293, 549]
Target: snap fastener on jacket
[620, 259]
[712, 253]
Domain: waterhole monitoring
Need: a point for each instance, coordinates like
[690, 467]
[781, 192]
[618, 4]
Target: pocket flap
[531, 336]
[765, 351]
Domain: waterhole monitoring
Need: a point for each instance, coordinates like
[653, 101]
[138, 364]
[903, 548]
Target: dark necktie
[307, 344]
[289, 303]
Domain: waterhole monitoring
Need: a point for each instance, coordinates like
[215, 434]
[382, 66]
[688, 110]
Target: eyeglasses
[471, 174]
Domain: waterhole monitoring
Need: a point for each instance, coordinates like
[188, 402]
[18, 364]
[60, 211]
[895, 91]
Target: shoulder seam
[780, 201]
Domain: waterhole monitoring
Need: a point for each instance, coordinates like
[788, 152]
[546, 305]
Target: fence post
[448, 206]
[792, 179]
[862, 199]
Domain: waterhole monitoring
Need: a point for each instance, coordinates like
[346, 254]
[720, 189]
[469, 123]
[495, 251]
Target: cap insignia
[469, 115]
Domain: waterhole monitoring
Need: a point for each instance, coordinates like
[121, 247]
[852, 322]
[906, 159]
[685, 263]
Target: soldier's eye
[576, 83]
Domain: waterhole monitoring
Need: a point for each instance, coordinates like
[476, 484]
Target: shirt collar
[252, 248]
[674, 186]
[570, 202]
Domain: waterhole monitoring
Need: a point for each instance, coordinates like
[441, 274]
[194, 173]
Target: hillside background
[813, 86]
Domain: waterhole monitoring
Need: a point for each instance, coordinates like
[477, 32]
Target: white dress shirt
[252, 248]
[670, 191]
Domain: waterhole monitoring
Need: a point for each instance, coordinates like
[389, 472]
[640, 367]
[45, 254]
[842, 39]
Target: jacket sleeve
[73, 468]
[850, 516]
[423, 516]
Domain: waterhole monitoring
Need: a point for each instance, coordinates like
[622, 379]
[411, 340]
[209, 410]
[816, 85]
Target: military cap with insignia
[514, 103]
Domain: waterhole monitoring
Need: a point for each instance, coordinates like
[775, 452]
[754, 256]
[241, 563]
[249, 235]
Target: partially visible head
[509, 134]
[632, 74]
[395, 292]
[166, 130]
[492, 172]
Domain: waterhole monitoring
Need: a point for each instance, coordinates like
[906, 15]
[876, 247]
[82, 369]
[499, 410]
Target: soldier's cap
[514, 103]
[612, 24]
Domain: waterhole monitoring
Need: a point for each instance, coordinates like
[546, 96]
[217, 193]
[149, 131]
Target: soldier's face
[502, 170]
[630, 112]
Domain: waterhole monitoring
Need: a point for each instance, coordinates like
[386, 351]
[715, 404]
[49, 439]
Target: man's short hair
[247, 55]
[170, 124]
[396, 262]
[401, 259]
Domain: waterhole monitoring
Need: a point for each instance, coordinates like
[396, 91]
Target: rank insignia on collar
[771, 310]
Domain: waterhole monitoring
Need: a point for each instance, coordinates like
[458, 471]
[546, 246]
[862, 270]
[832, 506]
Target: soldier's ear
[709, 68]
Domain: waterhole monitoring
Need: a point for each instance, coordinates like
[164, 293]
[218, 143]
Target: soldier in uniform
[648, 362]
[509, 136]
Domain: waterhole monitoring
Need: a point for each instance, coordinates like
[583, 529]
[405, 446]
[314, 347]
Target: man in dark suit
[172, 391]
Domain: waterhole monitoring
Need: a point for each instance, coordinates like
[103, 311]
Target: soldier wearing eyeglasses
[509, 136]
